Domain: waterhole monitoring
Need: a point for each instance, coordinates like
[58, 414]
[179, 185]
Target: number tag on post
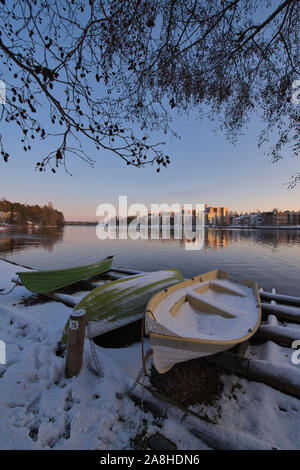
[74, 324]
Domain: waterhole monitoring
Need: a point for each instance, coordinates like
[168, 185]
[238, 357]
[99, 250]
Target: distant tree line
[22, 214]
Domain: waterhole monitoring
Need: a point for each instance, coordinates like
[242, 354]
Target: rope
[143, 371]
[132, 386]
[94, 354]
[143, 351]
[6, 293]
[145, 357]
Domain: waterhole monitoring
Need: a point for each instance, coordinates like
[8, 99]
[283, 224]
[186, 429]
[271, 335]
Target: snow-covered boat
[41, 282]
[204, 315]
[121, 302]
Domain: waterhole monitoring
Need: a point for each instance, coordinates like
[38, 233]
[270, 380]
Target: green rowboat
[41, 282]
[121, 302]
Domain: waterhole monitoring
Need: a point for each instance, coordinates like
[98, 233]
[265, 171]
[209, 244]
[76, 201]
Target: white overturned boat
[204, 315]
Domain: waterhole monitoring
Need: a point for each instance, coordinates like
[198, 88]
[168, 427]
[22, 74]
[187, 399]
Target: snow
[142, 280]
[41, 409]
[105, 319]
[189, 322]
[257, 410]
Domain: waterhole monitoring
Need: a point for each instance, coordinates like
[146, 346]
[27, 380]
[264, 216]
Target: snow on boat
[121, 302]
[41, 282]
[204, 315]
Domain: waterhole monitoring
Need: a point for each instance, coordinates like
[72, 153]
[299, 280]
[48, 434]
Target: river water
[271, 257]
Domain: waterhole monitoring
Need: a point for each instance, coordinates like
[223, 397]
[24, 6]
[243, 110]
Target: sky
[205, 168]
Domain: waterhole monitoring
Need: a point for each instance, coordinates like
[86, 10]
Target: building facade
[216, 215]
[272, 218]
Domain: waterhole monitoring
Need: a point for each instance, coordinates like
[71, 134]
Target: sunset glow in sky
[205, 168]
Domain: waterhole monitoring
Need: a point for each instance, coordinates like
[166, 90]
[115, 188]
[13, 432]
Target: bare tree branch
[109, 73]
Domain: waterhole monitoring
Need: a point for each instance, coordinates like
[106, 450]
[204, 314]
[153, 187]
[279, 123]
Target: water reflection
[221, 238]
[188, 239]
[12, 241]
[270, 257]
[16, 240]
[217, 238]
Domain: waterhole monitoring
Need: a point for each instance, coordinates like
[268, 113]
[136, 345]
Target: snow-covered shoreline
[41, 409]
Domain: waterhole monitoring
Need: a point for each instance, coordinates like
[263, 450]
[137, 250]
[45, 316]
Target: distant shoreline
[263, 227]
[228, 227]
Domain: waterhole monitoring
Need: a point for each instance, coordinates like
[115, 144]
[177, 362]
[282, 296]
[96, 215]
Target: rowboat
[121, 302]
[199, 317]
[41, 282]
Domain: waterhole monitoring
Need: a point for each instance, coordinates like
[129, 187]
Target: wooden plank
[283, 312]
[281, 377]
[67, 300]
[284, 299]
[215, 436]
[278, 334]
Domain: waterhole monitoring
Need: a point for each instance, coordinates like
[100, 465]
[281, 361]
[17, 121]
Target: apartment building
[216, 215]
[272, 218]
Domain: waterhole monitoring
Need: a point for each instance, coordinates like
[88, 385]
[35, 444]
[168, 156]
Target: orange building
[216, 215]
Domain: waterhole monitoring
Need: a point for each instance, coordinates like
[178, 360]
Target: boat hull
[165, 357]
[118, 303]
[41, 282]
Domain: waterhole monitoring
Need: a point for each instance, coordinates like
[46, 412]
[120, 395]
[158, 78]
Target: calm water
[270, 257]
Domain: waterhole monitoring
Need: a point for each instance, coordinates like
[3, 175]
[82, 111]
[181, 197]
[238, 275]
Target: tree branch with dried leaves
[109, 73]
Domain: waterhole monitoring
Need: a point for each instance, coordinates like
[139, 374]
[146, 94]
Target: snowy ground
[40, 409]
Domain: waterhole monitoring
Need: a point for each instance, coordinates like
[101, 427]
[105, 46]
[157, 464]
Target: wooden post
[75, 343]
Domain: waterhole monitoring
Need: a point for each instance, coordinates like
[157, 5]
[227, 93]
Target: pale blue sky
[205, 168]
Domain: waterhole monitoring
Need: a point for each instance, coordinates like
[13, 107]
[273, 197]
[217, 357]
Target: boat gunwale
[202, 278]
[34, 272]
